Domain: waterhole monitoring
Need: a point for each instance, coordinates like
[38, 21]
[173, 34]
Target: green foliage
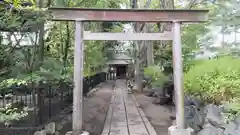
[13, 112]
[156, 75]
[232, 109]
[21, 65]
[214, 80]
[188, 63]
[190, 36]
[51, 72]
[9, 82]
[20, 17]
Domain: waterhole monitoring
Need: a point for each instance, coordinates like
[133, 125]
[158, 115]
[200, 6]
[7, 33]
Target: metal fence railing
[48, 101]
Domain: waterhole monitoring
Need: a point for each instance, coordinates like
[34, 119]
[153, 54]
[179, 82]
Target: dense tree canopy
[58, 38]
[19, 58]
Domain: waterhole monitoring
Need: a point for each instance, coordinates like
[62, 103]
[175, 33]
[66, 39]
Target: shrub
[231, 109]
[13, 112]
[156, 75]
[214, 80]
[189, 63]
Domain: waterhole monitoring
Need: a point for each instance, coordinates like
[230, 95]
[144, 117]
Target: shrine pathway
[125, 117]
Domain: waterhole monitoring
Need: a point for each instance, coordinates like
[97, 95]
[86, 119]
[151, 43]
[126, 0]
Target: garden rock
[50, 128]
[59, 126]
[238, 129]
[194, 117]
[237, 121]
[191, 123]
[231, 129]
[209, 120]
[57, 133]
[190, 101]
[189, 112]
[211, 130]
[198, 121]
[226, 108]
[206, 124]
[42, 132]
[214, 115]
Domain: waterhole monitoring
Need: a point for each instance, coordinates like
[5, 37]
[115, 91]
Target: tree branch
[192, 3]
[147, 5]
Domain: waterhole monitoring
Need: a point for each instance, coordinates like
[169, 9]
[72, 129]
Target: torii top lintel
[127, 15]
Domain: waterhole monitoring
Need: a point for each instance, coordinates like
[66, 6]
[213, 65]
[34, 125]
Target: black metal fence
[19, 130]
[46, 101]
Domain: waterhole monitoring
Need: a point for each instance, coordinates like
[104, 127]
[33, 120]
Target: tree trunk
[235, 36]
[150, 58]
[41, 35]
[165, 4]
[223, 38]
[66, 47]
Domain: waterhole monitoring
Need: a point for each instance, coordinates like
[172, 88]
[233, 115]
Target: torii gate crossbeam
[80, 15]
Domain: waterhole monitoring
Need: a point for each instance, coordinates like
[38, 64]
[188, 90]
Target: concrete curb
[146, 122]
[89, 94]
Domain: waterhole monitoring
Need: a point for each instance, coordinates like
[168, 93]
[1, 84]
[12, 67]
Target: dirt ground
[158, 115]
[95, 109]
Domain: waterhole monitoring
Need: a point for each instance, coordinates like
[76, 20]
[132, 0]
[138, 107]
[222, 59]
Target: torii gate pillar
[78, 79]
[127, 15]
[178, 73]
[179, 128]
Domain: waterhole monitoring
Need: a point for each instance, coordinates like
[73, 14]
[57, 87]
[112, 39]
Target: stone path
[125, 117]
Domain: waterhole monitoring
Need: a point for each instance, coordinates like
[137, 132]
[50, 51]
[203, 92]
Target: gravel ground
[95, 109]
[158, 115]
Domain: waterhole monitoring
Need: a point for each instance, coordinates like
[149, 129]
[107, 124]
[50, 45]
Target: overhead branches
[147, 5]
[15, 17]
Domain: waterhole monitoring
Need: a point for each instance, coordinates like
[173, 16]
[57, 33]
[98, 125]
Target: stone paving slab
[124, 115]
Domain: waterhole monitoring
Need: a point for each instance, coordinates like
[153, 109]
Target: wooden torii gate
[81, 15]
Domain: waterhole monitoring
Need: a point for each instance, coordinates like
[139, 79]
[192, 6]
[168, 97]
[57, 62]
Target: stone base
[83, 133]
[174, 131]
[41, 132]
